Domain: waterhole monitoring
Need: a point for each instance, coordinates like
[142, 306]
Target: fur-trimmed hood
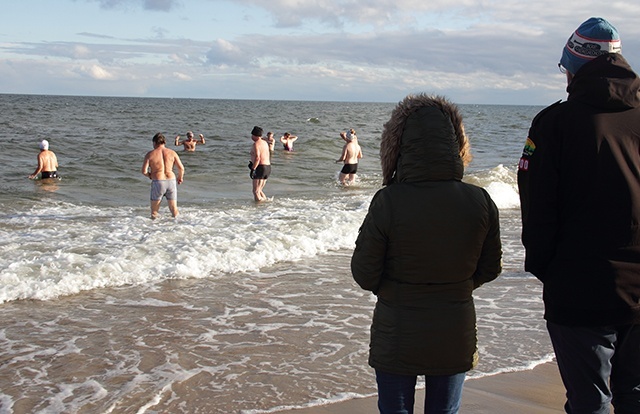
[424, 141]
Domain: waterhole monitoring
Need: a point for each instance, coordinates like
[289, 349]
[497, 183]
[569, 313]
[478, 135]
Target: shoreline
[535, 391]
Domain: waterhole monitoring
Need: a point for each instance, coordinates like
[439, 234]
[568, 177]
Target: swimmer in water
[287, 141]
[47, 163]
[190, 143]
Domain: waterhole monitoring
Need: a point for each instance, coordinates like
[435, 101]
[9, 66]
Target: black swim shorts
[349, 169]
[48, 174]
[262, 172]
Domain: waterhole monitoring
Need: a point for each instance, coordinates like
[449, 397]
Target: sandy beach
[537, 391]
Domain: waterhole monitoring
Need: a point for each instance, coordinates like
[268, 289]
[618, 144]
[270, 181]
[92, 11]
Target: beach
[236, 306]
[538, 391]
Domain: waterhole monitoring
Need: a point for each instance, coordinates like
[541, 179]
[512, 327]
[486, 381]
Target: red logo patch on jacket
[527, 152]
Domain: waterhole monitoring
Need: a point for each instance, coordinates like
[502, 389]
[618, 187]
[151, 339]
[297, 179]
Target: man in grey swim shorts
[164, 188]
[158, 166]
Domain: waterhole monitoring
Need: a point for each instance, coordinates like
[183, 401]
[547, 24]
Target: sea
[234, 306]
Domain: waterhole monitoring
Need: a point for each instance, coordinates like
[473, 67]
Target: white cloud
[319, 49]
[95, 72]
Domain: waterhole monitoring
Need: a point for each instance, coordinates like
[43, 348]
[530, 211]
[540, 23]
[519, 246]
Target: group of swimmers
[160, 162]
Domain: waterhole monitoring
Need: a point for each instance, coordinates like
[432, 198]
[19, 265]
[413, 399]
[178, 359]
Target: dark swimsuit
[49, 174]
[262, 172]
[349, 169]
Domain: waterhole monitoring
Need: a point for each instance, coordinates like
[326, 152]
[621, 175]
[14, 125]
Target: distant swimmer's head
[44, 145]
[189, 134]
[158, 139]
[256, 131]
[351, 134]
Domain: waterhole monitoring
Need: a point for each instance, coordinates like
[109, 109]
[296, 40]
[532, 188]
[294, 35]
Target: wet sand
[538, 391]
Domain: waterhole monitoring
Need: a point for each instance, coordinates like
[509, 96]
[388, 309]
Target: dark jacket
[427, 241]
[579, 180]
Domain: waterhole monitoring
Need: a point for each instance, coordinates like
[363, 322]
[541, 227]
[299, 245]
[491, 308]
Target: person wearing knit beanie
[593, 38]
[579, 189]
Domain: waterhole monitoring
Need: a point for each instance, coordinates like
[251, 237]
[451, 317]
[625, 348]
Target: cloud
[95, 72]
[154, 5]
[319, 49]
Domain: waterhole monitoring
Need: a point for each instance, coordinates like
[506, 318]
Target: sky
[470, 51]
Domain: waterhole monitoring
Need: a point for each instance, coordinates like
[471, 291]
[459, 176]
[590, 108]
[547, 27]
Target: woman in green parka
[427, 242]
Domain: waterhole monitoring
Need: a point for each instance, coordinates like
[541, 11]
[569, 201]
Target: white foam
[69, 249]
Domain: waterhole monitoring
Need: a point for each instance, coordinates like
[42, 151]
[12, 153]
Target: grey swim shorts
[166, 188]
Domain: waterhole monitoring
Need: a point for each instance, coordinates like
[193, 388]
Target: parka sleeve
[490, 262]
[538, 184]
[367, 262]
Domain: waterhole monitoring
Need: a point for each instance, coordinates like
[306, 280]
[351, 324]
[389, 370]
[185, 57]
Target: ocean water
[234, 306]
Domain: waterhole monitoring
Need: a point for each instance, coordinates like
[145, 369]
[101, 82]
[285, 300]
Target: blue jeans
[599, 366]
[396, 393]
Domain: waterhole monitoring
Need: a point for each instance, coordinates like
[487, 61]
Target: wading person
[260, 164]
[47, 163]
[158, 166]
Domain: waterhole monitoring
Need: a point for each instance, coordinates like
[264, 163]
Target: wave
[62, 249]
[501, 183]
[57, 249]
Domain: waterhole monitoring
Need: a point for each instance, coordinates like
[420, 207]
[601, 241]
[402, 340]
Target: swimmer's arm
[145, 167]
[176, 142]
[343, 156]
[38, 168]
[178, 163]
[202, 139]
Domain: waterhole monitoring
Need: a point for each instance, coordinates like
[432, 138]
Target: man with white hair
[351, 153]
[47, 163]
[190, 143]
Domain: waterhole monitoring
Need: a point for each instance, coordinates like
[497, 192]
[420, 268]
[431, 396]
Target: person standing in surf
[158, 166]
[47, 163]
[260, 164]
[351, 153]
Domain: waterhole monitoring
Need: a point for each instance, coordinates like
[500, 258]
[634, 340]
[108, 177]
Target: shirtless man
[260, 164]
[47, 163]
[351, 153]
[189, 143]
[271, 141]
[158, 166]
[287, 141]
